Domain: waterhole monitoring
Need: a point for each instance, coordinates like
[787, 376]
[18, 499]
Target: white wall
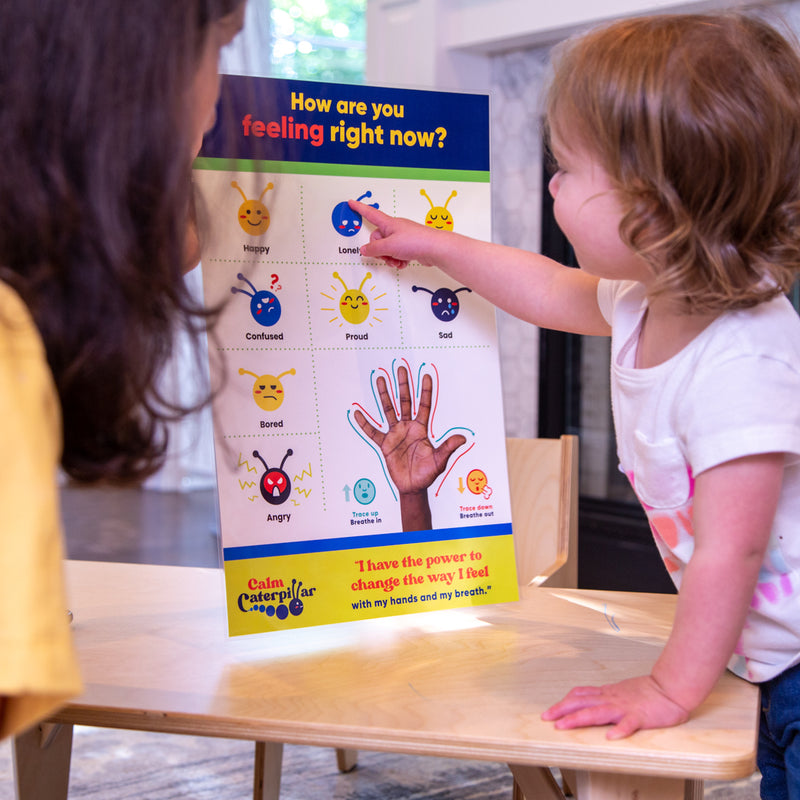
[443, 44]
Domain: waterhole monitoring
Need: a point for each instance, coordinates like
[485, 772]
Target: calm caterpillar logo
[273, 598]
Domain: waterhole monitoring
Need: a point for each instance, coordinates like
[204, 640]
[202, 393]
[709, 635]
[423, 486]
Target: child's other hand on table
[630, 705]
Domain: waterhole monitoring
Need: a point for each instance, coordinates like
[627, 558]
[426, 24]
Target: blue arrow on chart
[346, 491]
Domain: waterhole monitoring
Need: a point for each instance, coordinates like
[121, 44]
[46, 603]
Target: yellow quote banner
[296, 590]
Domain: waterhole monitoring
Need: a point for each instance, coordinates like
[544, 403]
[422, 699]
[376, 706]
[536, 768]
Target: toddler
[676, 141]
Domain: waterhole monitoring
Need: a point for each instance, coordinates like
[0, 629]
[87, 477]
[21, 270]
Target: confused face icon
[264, 305]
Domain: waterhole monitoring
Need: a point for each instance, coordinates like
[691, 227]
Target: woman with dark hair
[103, 110]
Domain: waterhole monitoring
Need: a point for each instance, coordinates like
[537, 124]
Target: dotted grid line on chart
[362, 348]
[268, 262]
[256, 259]
[261, 435]
[302, 218]
[314, 378]
[397, 271]
[303, 223]
[322, 481]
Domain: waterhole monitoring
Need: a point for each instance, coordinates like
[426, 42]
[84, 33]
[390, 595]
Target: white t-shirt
[733, 391]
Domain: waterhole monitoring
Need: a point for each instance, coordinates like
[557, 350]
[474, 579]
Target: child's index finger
[370, 213]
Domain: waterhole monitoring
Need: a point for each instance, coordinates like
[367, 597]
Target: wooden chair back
[543, 482]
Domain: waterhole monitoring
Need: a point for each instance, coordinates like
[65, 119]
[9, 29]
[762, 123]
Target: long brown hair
[95, 206]
[697, 120]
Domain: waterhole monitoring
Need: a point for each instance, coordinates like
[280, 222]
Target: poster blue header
[270, 119]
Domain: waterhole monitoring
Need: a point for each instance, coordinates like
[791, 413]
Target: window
[318, 39]
[321, 40]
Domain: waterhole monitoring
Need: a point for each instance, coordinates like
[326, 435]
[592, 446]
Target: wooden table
[467, 683]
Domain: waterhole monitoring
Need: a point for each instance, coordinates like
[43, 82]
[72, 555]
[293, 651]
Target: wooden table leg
[267, 772]
[534, 783]
[568, 781]
[607, 786]
[41, 762]
[346, 760]
[694, 790]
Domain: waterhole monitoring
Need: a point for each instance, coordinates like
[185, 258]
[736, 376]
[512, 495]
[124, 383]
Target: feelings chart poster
[359, 438]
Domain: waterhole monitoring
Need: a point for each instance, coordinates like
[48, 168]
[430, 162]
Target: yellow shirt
[38, 664]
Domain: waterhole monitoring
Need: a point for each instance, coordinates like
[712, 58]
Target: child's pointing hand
[396, 240]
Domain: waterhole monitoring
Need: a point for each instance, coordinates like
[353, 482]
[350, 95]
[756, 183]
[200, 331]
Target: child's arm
[734, 507]
[527, 285]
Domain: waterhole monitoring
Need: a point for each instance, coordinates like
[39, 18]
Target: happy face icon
[264, 306]
[346, 221]
[267, 389]
[274, 484]
[354, 304]
[444, 304]
[439, 217]
[253, 214]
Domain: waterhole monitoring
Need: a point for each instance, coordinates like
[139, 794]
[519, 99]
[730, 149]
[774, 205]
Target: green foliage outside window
[319, 39]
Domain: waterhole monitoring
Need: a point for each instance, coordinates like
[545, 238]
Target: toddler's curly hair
[696, 118]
